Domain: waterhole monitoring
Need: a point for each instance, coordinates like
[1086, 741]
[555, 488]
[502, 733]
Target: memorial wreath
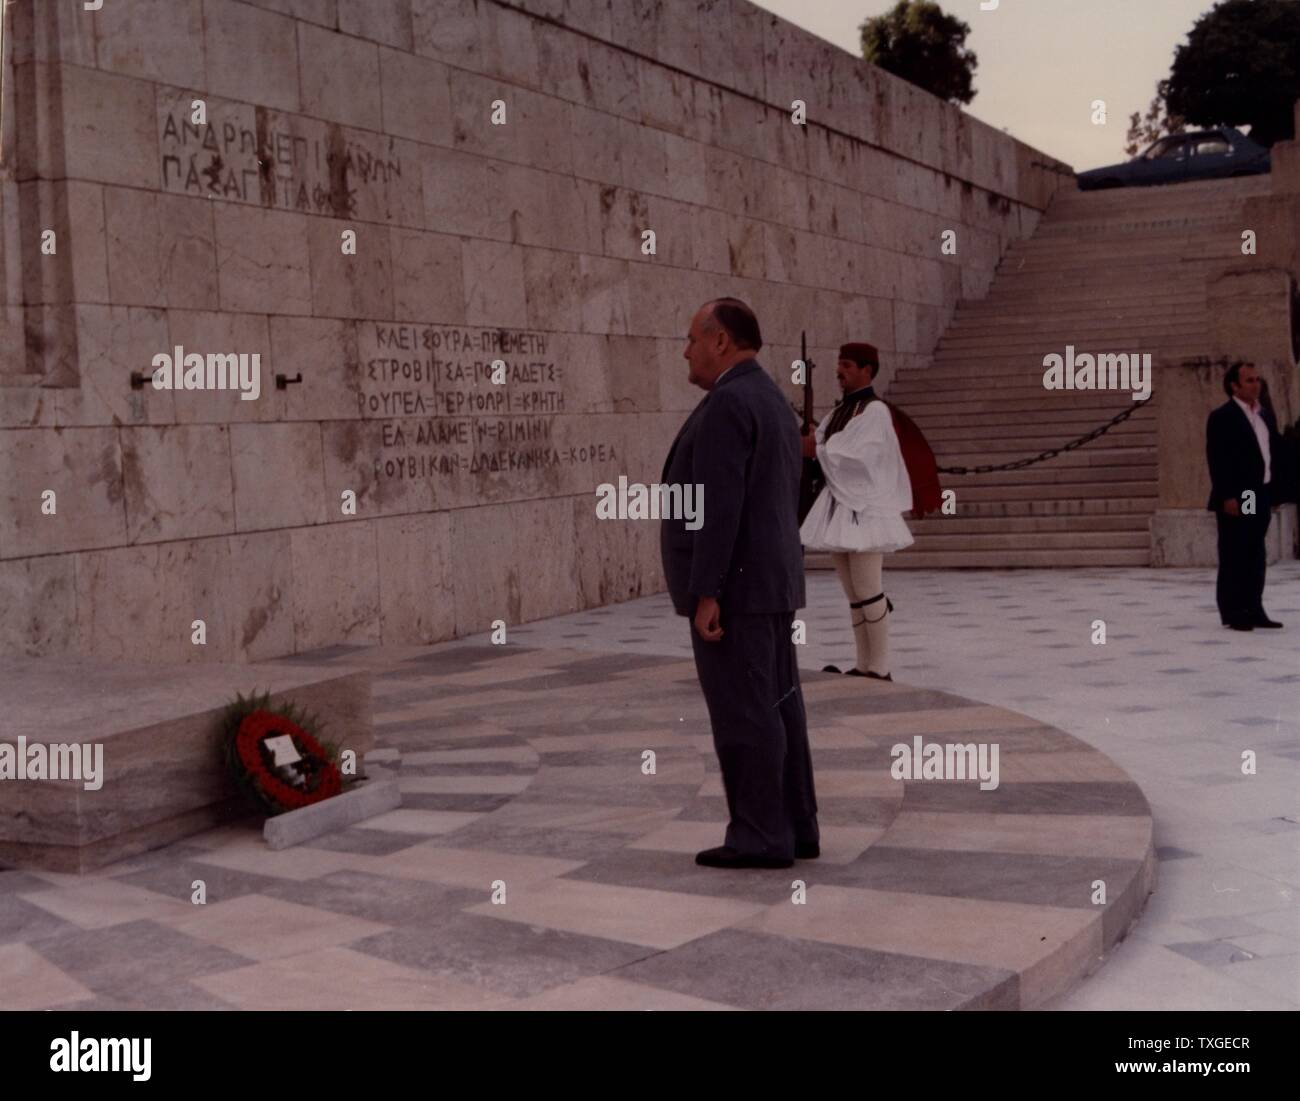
[275, 756]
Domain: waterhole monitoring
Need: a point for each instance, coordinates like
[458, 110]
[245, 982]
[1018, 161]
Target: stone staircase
[1106, 271]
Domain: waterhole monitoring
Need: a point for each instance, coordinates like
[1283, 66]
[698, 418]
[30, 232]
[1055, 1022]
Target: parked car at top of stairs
[1199, 155]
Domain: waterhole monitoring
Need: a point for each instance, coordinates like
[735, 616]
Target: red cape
[922, 469]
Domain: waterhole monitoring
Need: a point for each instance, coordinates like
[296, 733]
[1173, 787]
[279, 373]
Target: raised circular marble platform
[521, 773]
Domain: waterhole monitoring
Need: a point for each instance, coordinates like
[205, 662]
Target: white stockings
[868, 609]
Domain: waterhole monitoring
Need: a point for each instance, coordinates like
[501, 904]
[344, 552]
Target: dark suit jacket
[1236, 462]
[741, 443]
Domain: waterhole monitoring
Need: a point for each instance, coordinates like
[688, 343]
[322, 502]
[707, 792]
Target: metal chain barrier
[1051, 453]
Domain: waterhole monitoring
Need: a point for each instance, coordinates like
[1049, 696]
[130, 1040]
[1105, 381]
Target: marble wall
[1252, 306]
[126, 514]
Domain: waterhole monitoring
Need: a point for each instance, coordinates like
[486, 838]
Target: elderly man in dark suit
[1241, 444]
[740, 579]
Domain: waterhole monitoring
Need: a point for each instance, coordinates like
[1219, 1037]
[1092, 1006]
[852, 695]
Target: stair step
[1137, 217]
[1132, 206]
[1167, 198]
[981, 369]
[982, 407]
[1064, 423]
[1154, 296]
[1132, 509]
[1100, 404]
[1073, 330]
[1092, 455]
[1124, 326]
[1140, 236]
[1084, 252]
[1018, 559]
[995, 447]
[1036, 285]
[1033, 541]
[942, 525]
[1180, 274]
[1141, 205]
[1134, 323]
[1030, 356]
[1095, 341]
[1150, 296]
[1011, 345]
[940, 391]
[1164, 197]
[1048, 478]
[1063, 300]
[1138, 431]
[983, 493]
[1064, 256]
[1144, 234]
[968, 376]
[1153, 239]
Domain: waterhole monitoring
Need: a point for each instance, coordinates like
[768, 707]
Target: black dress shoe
[1262, 620]
[830, 669]
[723, 857]
[807, 850]
[1241, 625]
[869, 673]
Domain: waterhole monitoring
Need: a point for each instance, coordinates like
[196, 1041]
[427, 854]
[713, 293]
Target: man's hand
[1232, 506]
[708, 619]
[809, 442]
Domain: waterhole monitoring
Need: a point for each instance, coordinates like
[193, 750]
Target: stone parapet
[162, 773]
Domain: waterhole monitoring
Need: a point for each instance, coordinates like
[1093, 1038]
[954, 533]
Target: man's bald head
[723, 332]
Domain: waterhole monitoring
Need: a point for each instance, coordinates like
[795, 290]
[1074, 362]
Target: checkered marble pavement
[1172, 697]
[534, 864]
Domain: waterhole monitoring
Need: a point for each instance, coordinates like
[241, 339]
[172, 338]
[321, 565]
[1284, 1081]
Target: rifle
[811, 479]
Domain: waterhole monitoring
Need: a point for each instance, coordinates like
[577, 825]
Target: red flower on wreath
[322, 777]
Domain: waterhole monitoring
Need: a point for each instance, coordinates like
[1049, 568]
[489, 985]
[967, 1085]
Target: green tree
[1155, 124]
[1240, 66]
[918, 42]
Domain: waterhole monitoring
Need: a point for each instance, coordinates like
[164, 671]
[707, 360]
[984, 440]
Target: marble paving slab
[572, 885]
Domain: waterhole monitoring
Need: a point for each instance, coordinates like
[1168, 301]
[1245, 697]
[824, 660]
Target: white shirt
[863, 463]
[1261, 434]
[727, 371]
[867, 487]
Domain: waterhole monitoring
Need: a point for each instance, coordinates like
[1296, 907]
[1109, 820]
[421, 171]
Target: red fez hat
[864, 355]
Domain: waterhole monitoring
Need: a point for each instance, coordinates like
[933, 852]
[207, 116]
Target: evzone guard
[877, 466]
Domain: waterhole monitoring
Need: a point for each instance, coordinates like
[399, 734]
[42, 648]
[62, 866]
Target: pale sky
[1043, 62]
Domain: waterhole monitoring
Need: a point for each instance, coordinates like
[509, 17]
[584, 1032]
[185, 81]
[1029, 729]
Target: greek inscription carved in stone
[432, 387]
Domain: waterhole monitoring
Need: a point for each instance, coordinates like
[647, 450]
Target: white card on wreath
[282, 750]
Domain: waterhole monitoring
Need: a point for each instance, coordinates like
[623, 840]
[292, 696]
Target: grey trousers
[751, 686]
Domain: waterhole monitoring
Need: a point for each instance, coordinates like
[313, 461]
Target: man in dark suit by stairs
[740, 580]
[1241, 445]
